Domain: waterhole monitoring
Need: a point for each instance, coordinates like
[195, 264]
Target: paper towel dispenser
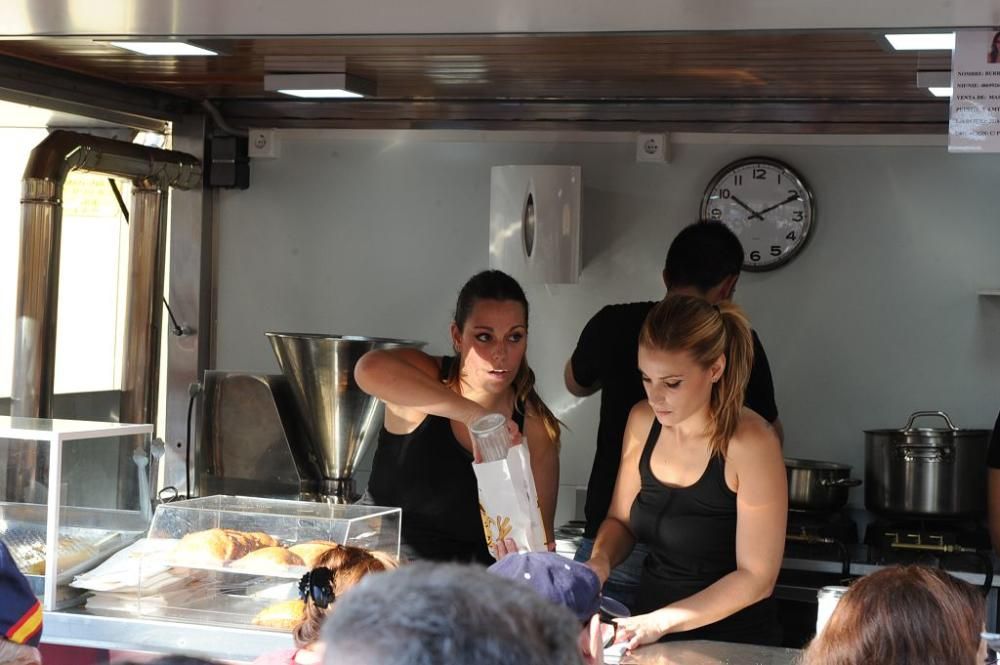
[535, 223]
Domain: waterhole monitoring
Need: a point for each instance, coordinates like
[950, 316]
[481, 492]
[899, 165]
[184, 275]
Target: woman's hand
[642, 629]
[506, 547]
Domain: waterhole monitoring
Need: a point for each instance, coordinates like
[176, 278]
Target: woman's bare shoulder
[754, 436]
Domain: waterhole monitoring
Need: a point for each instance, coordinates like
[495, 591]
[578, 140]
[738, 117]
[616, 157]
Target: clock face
[766, 204]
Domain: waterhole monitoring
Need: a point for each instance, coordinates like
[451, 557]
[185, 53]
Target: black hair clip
[318, 585]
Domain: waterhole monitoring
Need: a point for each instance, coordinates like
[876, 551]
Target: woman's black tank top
[691, 535]
[428, 474]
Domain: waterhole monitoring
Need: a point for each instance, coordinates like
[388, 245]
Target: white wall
[371, 233]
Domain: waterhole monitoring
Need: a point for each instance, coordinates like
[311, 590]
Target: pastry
[212, 546]
[285, 615]
[259, 538]
[312, 552]
[268, 559]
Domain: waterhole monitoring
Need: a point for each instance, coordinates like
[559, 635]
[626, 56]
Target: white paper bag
[508, 502]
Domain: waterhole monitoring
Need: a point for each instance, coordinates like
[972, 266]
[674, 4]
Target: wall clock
[767, 205]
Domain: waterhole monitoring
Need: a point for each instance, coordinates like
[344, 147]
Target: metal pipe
[37, 283]
[143, 311]
[37, 297]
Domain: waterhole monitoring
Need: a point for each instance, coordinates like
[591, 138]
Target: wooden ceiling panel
[530, 69]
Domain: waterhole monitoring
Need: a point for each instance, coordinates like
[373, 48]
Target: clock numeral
[779, 177]
[775, 250]
[759, 174]
[795, 193]
[791, 236]
[755, 256]
[725, 193]
[798, 216]
[737, 180]
[716, 213]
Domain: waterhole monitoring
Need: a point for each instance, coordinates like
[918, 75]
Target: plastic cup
[490, 437]
[827, 599]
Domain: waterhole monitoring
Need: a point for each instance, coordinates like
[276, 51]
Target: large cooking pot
[818, 486]
[926, 471]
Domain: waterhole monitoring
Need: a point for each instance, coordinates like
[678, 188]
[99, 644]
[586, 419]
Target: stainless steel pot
[818, 486]
[926, 472]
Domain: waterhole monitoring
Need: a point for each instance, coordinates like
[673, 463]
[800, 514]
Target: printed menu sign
[974, 124]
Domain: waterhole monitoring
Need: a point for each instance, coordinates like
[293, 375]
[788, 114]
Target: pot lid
[815, 465]
[950, 430]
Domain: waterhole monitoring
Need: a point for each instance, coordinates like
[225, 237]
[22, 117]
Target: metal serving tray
[93, 533]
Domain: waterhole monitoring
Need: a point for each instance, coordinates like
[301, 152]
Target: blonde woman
[701, 485]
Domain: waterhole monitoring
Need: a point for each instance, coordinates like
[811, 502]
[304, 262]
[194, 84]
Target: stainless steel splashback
[340, 419]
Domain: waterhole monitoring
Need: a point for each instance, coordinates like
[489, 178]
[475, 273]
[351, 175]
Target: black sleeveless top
[691, 535]
[428, 474]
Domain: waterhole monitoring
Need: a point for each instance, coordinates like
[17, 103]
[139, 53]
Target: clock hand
[753, 213]
[794, 197]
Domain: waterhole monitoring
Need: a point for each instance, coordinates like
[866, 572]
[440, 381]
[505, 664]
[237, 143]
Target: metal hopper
[341, 421]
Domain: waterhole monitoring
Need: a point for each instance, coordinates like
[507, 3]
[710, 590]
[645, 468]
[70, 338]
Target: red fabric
[283, 657]
[54, 654]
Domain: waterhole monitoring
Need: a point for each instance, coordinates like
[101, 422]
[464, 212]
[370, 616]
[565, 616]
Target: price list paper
[974, 124]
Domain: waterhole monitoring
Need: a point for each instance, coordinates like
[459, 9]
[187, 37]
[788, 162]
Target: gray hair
[427, 614]
[12, 653]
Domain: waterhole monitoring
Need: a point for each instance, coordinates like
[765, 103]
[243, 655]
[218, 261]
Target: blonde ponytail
[729, 391]
[707, 331]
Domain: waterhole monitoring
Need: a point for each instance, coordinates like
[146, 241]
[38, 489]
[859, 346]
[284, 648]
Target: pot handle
[939, 414]
[920, 454]
[840, 482]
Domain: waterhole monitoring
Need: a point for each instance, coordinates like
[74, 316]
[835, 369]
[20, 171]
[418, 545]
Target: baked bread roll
[258, 538]
[268, 559]
[285, 615]
[212, 546]
[311, 552]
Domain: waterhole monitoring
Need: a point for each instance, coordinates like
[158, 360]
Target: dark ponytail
[498, 285]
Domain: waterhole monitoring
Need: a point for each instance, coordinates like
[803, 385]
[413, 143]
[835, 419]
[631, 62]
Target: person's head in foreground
[564, 582]
[903, 615]
[20, 615]
[431, 614]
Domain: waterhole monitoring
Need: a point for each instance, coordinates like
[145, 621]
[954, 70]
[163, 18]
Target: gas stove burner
[929, 536]
[821, 527]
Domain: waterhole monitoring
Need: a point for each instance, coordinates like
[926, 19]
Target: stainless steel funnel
[340, 419]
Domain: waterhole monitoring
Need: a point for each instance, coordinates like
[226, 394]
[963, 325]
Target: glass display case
[71, 493]
[237, 561]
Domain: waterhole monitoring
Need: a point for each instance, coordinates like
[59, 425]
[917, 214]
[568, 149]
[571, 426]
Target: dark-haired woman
[701, 484]
[423, 463]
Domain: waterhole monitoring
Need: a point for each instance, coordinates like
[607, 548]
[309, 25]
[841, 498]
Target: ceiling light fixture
[922, 41]
[319, 86]
[937, 82]
[163, 48]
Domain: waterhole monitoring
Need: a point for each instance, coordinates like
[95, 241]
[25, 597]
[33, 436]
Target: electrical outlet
[651, 148]
[263, 143]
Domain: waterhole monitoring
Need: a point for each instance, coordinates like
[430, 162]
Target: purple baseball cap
[561, 580]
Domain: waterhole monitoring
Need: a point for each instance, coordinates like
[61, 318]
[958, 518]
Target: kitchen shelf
[989, 292]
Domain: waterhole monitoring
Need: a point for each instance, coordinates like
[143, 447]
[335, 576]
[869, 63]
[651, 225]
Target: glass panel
[102, 504]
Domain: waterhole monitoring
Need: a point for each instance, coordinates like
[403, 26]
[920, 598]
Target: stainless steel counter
[130, 633]
[701, 652]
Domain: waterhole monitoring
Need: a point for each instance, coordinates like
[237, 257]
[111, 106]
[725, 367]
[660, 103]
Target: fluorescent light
[318, 86]
[940, 92]
[163, 48]
[923, 41]
[321, 92]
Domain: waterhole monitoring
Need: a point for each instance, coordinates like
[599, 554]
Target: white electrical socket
[651, 147]
[263, 144]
